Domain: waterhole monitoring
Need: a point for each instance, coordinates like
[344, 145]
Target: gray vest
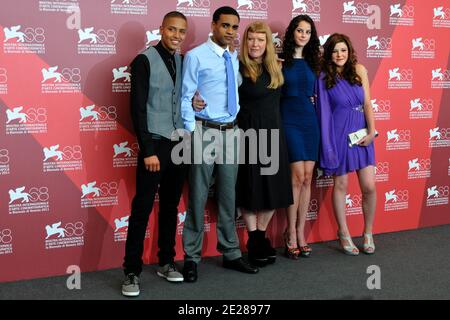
[164, 99]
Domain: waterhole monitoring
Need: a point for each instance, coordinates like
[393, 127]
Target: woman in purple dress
[344, 107]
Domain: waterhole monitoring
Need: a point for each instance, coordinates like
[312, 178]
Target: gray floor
[413, 264]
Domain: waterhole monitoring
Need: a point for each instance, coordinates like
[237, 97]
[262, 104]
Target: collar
[166, 52]
[216, 48]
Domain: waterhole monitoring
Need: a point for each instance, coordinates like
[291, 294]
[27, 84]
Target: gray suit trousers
[212, 151]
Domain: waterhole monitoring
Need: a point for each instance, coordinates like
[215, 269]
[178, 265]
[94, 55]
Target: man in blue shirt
[211, 69]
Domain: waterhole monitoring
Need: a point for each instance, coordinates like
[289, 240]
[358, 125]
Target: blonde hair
[252, 69]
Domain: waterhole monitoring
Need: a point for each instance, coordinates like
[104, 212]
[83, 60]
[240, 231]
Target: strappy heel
[369, 247]
[305, 251]
[349, 249]
[290, 252]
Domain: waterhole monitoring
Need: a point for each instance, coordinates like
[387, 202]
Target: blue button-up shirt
[204, 71]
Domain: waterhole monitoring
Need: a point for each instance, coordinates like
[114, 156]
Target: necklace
[172, 69]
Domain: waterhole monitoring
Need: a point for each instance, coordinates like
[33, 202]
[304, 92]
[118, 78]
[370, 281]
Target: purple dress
[340, 111]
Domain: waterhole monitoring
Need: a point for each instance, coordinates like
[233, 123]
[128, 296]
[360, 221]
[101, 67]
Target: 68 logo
[439, 133]
[31, 115]
[360, 8]
[106, 36]
[382, 168]
[313, 205]
[437, 192]
[381, 105]
[379, 43]
[253, 4]
[105, 189]
[3, 76]
[38, 194]
[67, 153]
[400, 74]
[4, 156]
[37, 115]
[124, 150]
[107, 113]
[6, 236]
[396, 196]
[28, 35]
[443, 191]
[102, 36]
[313, 210]
[132, 2]
[195, 3]
[419, 165]
[408, 11]
[104, 113]
[35, 35]
[72, 152]
[396, 135]
[70, 229]
[404, 12]
[67, 75]
[440, 75]
[423, 44]
[353, 201]
[419, 104]
[75, 229]
[72, 75]
[310, 6]
[34, 194]
[109, 189]
[441, 13]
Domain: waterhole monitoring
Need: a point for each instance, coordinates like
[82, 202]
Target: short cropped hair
[174, 14]
[225, 10]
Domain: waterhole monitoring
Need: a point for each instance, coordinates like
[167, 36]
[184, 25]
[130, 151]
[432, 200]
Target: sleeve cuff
[190, 126]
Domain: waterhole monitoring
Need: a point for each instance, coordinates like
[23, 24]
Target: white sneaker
[130, 286]
[170, 273]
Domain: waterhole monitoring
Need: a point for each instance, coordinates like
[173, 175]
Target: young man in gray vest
[155, 111]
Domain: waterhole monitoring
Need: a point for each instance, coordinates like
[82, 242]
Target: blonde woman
[257, 194]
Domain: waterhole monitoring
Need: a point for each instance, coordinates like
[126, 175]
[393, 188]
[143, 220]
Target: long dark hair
[311, 52]
[329, 68]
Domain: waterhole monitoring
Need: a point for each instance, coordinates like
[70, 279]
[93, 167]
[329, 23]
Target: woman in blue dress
[301, 49]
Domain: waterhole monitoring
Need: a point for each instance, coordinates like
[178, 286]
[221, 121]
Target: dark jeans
[170, 179]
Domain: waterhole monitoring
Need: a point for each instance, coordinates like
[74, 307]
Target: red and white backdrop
[68, 151]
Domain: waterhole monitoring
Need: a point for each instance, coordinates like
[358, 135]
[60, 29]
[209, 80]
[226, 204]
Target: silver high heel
[350, 249]
[369, 247]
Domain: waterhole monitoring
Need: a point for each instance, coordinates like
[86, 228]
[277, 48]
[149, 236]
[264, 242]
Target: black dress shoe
[240, 264]
[190, 271]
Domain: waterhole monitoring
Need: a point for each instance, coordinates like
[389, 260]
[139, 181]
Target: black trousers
[170, 179]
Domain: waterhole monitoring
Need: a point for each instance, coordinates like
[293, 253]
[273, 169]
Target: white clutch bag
[354, 137]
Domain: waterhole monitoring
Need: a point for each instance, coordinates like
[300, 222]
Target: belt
[217, 125]
[359, 108]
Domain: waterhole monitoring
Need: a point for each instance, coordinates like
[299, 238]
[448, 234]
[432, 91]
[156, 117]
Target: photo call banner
[68, 152]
